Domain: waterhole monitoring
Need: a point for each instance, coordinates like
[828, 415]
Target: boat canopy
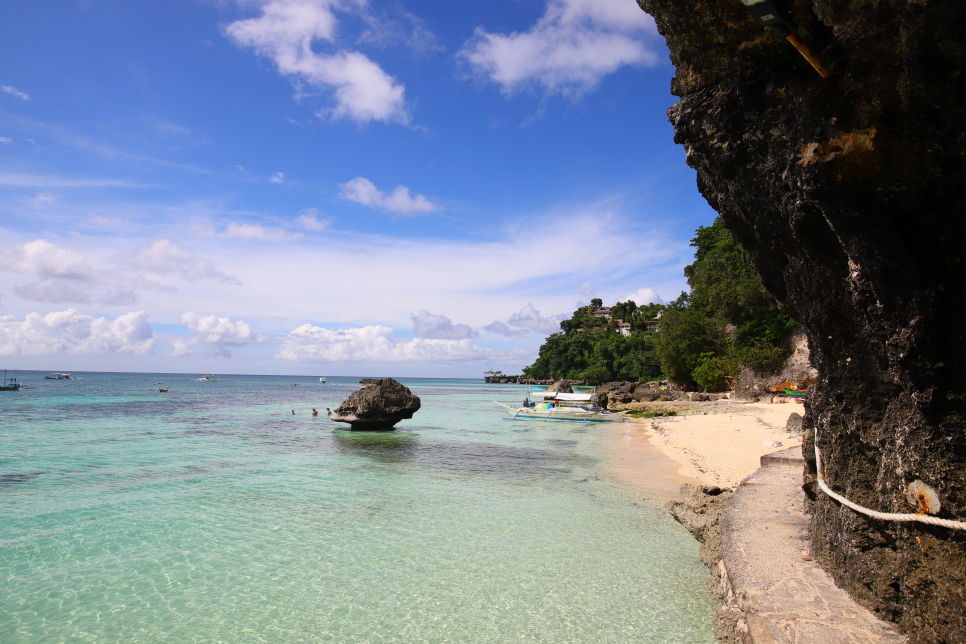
[580, 397]
[553, 395]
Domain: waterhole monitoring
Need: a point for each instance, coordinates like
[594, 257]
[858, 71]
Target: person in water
[314, 412]
[293, 412]
[328, 412]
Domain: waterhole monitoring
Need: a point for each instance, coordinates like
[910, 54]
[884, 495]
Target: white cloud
[216, 330]
[375, 344]
[68, 276]
[645, 295]
[71, 332]
[5, 139]
[524, 322]
[164, 257]
[286, 32]
[40, 257]
[530, 318]
[14, 92]
[569, 50]
[309, 220]
[62, 291]
[250, 231]
[42, 199]
[212, 335]
[363, 191]
[278, 177]
[439, 327]
[24, 180]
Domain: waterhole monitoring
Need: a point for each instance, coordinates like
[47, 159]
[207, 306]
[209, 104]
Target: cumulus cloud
[67, 276]
[210, 328]
[40, 257]
[164, 257]
[14, 92]
[285, 34]
[439, 327]
[309, 220]
[645, 295]
[568, 51]
[524, 322]
[213, 335]
[278, 177]
[71, 332]
[363, 191]
[375, 344]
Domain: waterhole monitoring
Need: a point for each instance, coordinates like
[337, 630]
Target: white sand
[717, 443]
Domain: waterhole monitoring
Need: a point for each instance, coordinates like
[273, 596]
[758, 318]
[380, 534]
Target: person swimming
[314, 412]
[293, 412]
[328, 411]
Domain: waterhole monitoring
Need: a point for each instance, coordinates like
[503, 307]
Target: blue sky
[329, 186]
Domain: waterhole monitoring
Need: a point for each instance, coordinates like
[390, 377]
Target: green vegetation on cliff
[592, 348]
[726, 321]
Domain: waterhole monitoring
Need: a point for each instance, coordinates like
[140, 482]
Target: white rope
[887, 516]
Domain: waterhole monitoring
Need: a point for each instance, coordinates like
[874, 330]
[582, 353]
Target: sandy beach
[711, 443]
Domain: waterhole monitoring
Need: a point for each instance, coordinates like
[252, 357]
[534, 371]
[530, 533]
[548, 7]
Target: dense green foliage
[727, 320]
[591, 348]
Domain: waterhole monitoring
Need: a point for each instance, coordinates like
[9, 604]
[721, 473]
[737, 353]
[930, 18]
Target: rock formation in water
[378, 405]
[849, 195]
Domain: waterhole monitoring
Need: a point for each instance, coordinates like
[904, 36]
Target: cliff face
[850, 195]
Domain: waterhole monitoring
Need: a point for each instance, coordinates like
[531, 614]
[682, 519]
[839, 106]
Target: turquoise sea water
[211, 513]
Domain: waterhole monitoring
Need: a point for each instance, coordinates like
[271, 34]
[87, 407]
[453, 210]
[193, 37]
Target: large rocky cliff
[850, 195]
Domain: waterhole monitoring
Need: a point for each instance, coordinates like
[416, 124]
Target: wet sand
[710, 443]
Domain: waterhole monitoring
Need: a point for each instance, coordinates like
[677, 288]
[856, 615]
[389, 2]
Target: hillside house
[602, 312]
[654, 324]
[624, 328]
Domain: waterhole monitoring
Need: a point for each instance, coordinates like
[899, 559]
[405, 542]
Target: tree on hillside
[592, 348]
[726, 321]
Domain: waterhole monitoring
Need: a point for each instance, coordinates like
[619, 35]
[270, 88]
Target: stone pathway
[780, 595]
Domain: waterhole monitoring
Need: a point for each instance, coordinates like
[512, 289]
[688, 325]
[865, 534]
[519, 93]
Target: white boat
[550, 405]
[208, 377]
[322, 380]
[58, 376]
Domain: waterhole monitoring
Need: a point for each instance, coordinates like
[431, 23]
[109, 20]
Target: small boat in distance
[209, 377]
[58, 376]
[322, 380]
[9, 384]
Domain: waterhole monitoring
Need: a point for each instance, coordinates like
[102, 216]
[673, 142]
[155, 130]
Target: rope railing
[886, 516]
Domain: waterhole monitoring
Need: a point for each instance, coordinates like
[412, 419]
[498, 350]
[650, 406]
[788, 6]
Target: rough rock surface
[378, 405]
[848, 194]
[797, 371]
[699, 510]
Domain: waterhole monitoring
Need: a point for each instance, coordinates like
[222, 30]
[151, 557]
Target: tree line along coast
[701, 340]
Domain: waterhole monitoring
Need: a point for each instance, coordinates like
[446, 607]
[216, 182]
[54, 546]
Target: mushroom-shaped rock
[378, 405]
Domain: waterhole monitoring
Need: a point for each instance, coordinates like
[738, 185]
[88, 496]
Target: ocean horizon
[212, 513]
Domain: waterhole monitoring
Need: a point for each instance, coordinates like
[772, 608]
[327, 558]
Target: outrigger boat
[208, 377]
[580, 408]
[9, 384]
[58, 376]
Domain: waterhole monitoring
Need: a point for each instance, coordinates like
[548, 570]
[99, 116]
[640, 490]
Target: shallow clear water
[210, 513]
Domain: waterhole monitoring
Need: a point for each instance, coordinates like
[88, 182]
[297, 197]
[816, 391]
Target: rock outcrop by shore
[847, 194]
[377, 406]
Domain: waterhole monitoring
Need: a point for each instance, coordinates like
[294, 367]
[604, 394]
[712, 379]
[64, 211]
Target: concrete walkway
[768, 580]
